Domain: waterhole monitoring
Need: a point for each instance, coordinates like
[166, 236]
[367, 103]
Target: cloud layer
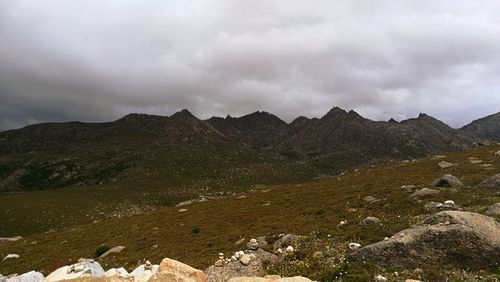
[96, 60]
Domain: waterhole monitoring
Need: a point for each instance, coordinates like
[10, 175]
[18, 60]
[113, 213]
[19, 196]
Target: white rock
[354, 246]
[497, 153]
[143, 276]
[380, 278]
[449, 203]
[32, 276]
[11, 256]
[183, 210]
[289, 249]
[77, 270]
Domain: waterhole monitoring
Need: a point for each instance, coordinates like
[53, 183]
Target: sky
[94, 60]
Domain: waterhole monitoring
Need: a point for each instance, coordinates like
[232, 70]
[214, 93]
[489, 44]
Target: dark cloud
[98, 60]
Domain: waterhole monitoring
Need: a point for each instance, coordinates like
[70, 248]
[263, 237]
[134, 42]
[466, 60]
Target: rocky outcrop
[456, 239]
[492, 182]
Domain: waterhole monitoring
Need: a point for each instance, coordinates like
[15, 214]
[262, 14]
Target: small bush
[196, 230]
[101, 250]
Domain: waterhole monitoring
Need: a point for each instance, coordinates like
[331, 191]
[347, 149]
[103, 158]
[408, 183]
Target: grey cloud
[92, 60]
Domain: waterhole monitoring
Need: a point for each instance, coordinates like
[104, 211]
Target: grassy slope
[300, 209]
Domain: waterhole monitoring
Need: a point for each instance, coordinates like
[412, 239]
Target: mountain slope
[487, 128]
[190, 154]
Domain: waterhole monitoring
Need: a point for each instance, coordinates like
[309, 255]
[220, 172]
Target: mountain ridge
[259, 145]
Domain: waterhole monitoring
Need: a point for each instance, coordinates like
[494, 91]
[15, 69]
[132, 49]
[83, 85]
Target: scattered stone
[447, 180]
[172, 270]
[10, 256]
[475, 161]
[371, 199]
[354, 246]
[423, 193]
[114, 250]
[318, 255]
[412, 280]
[461, 240]
[370, 220]
[494, 210]
[408, 188]
[438, 157]
[253, 244]
[183, 210]
[289, 249]
[445, 164]
[497, 153]
[342, 223]
[492, 182]
[380, 278]
[12, 239]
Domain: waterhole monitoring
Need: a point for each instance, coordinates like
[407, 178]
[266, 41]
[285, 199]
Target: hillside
[487, 128]
[314, 209]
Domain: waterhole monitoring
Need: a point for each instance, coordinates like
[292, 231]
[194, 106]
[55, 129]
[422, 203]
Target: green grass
[288, 208]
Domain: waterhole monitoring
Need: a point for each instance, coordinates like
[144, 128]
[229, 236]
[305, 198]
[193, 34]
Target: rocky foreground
[454, 239]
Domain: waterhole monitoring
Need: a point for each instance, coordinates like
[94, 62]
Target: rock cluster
[435, 207]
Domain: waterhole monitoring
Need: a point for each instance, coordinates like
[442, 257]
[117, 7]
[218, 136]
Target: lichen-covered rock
[370, 221]
[494, 210]
[461, 240]
[423, 194]
[491, 182]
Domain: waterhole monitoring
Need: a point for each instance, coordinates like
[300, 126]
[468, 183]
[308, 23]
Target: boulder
[494, 210]
[172, 270]
[492, 182]
[423, 193]
[370, 221]
[460, 240]
[32, 276]
[447, 180]
[445, 164]
[77, 270]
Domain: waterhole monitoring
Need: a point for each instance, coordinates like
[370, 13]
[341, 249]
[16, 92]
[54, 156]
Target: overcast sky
[98, 60]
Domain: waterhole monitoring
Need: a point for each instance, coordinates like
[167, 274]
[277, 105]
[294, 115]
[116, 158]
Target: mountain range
[182, 150]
